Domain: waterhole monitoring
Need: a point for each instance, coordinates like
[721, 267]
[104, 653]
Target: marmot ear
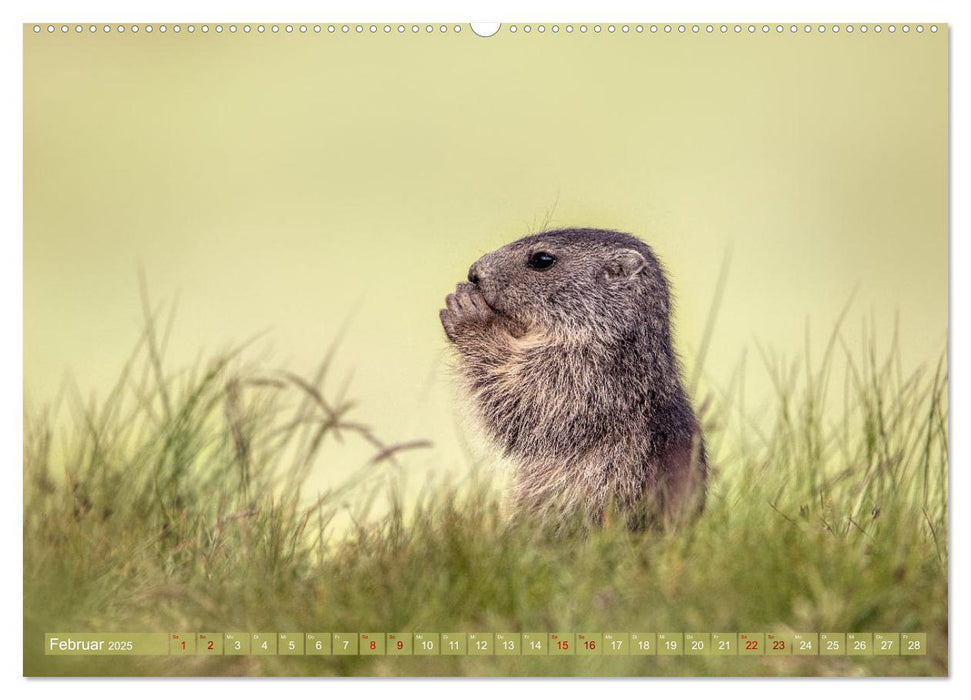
[624, 265]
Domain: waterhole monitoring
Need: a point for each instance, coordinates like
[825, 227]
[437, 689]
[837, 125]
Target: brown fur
[572, 370]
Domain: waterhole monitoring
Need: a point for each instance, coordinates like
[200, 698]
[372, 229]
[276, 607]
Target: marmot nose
[474, 274]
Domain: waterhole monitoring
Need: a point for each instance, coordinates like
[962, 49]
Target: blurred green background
[295, 184]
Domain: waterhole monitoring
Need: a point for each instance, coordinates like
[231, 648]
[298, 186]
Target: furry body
[570, 365]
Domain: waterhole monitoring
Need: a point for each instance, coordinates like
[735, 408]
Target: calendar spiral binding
[607, 29]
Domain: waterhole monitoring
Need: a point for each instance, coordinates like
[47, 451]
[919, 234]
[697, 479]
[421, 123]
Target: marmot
[565, 348]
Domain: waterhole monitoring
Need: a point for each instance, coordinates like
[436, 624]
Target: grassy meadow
[175, 503]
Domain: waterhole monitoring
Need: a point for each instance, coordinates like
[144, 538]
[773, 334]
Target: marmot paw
[466, 310]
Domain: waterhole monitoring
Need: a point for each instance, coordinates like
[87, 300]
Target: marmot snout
[565, 348]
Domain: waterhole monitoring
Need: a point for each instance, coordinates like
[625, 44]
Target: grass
[175, 504]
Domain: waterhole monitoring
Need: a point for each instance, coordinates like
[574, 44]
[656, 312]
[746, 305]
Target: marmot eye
[541, 260]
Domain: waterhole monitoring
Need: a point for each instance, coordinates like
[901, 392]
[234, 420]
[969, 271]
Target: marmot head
[576, 283]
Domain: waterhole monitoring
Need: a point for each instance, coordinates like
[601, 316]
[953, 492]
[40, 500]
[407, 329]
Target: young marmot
[565, 345]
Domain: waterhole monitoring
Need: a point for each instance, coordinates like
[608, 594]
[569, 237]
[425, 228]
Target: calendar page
[519, 349]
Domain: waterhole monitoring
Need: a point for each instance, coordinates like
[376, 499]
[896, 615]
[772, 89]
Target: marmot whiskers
[565, 345]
